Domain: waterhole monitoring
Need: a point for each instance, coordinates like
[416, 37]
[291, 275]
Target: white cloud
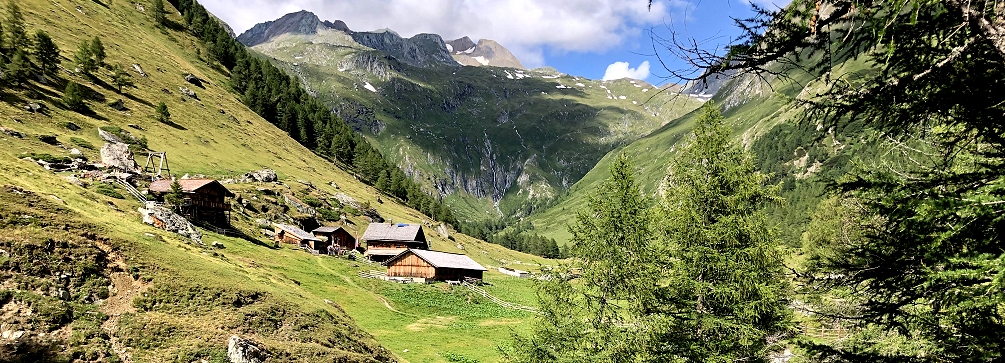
[619, 70]
[525, 27]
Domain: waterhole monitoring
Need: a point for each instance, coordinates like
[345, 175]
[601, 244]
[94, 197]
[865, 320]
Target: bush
[48, 139]
[108, 191]
[81, 143]
[50, 159]
[313, 202]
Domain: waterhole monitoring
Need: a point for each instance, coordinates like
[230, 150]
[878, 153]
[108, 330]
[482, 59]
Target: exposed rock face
[485, 53]
[460, 45]
[118, 156]
[421, 50]
[109, 137]
[301, 22]
[265, 175]
[167, 220]
[241, 350]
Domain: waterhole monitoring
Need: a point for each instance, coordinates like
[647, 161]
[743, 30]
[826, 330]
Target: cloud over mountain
[526, 27]
[619, 70]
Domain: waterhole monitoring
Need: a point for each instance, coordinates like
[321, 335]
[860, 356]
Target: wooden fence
[498, 301]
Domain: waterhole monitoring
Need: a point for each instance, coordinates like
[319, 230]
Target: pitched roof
[327, 229]
[296, 231]
[187, 185]
[442, 259]
[392, 232]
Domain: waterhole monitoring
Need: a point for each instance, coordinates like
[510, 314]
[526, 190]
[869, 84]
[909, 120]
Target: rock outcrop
[265, 175]
[421, 50]
[240, 350]
[170, 221]
[118, 156]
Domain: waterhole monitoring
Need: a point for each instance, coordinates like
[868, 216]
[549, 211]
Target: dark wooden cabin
[386, 240]
[433, 265]
[293, 235]
[205, 199]
[336, 236]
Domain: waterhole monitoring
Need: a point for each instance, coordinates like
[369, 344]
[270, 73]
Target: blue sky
[578, 37]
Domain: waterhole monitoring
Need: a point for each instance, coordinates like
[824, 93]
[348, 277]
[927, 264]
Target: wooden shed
[433, 265]
[205, 199]
[286, 233]
[336, 236]
[386, 240]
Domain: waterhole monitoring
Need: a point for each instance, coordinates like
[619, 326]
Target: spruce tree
[46, 53]
[724, 297]
[161, 113]
[597, 317]
[158, 12]
[121, 78]
[15, 29]
[18, 69]
[98, 51]
[73, 97]
[176, 196]
[85, 59]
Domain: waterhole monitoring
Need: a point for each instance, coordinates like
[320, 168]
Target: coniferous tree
[18, 69]
[46, 53]
[121, 78]
[724, 297]
[98, 51]
[85, 59]
[73, 97]
[161, 113]
[596, 319]
[176, 196]
[17, 38]
[158, 12]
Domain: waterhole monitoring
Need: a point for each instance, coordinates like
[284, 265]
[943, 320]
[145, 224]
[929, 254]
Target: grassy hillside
[766, 119]
[493, 140]
[172, 300]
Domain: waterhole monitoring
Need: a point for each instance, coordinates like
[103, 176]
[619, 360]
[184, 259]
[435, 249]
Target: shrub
[50, 159]
[81, 143]
[108, 191]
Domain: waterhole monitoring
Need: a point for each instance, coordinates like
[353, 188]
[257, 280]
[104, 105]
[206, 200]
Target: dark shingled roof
[327, 229]
[442, 259]
[392, 232]
[296, 231]
[187, 185]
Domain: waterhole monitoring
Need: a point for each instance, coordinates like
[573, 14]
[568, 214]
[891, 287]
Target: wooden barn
[386, 240]
[433, 265]
[286, 233]
[205, 199]
[336, 236]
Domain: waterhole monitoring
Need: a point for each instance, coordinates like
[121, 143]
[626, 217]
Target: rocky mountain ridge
[490, 140]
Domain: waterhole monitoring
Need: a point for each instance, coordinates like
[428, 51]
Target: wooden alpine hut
[336, 236]
[204, 199]
[433, 265]
[286, 233]
[386, 240]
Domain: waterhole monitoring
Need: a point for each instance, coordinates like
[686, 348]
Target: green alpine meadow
[608, 181]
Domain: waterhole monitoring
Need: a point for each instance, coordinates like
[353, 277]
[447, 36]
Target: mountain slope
[491, 140]
[801, 156]
[66, 238]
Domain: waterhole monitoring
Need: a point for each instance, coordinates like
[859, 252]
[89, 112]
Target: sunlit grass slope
[190, 299]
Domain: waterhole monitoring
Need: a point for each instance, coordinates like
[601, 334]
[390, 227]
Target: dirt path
[120, 299]
[353, 284]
